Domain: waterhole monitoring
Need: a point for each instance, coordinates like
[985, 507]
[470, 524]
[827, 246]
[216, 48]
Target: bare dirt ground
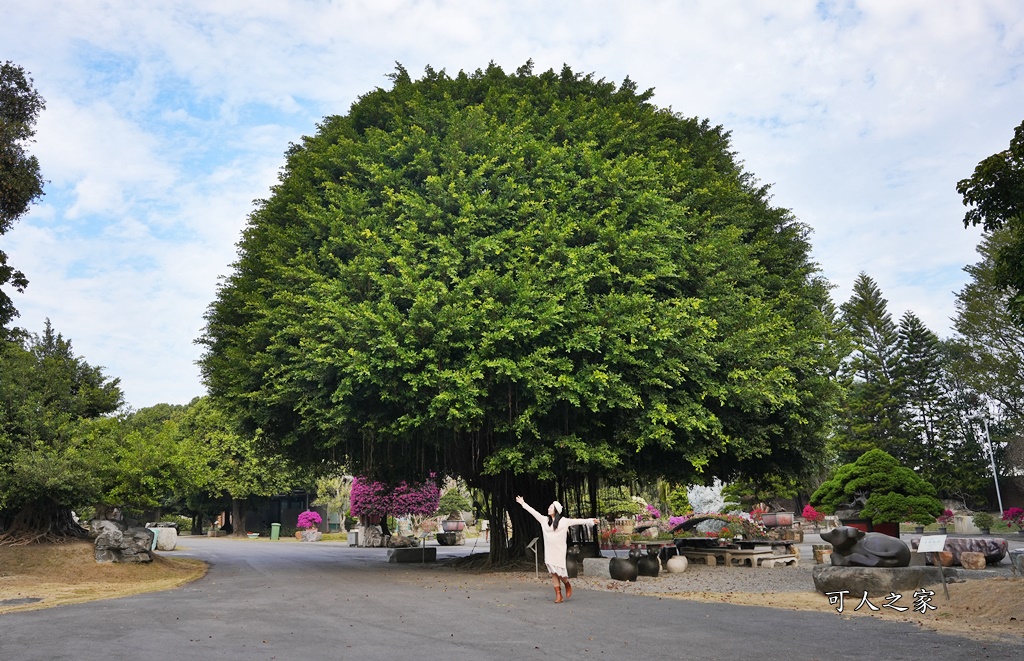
[983, 608]
[33, 577]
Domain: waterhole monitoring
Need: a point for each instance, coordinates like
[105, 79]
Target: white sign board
[931, 544]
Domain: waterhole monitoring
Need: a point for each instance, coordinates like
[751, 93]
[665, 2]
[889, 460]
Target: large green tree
[523, 279]
[994, 195]
[51, 461]
[219, 462]
[989, 354]
[20, 180]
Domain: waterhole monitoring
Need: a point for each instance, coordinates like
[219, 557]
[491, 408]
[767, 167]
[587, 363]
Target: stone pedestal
[596, 567]
[166, 538]
[877, 581]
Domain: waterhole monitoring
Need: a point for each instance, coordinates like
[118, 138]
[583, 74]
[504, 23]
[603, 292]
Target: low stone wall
[421, 554]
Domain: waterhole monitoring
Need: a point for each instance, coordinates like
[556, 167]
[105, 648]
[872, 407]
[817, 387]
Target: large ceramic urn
[649, 565]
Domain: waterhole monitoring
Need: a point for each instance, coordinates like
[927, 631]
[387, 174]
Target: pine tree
[874, 417]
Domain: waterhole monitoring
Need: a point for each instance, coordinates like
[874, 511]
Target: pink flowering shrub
[372, 498]
[812, 515]
[308, 519]
[1014, 517]
[653, 512]
[945, 518]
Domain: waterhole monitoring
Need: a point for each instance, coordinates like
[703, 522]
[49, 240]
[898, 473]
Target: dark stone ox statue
[852, 547]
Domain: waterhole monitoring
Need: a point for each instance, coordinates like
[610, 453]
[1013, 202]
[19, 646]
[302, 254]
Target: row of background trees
[541, 283]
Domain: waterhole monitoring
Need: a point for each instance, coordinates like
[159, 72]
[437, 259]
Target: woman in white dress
[555, 528]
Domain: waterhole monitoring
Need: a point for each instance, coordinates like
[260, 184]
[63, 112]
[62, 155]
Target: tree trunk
[238, 517]
[197, 524]
[501, 493]
[43, 523]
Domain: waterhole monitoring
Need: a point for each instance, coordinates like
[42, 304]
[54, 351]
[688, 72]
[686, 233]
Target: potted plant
[984, 521]
[944, 520]
[1015, 517]
[307, 526]
[875, 493]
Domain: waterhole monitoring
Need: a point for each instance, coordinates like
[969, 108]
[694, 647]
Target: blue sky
[165, 120]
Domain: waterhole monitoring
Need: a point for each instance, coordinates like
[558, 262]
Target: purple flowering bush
[373, 498]
[308, 519]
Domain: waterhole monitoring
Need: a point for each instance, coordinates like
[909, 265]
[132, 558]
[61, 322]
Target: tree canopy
[54, 451]
[881, 488]
[994, 195]
[521, 277]
[20, 181]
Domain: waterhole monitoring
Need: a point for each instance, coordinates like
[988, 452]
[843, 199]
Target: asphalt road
[289, 600]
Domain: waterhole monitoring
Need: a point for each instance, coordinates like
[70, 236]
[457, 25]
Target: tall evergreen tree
[874, 415]
[925, 402]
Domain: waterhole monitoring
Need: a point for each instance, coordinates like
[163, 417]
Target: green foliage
[983, 520]
[523, 276]
[896, 508]
[615, 502]
[678, 502]
[54, 450]
[745, 492]
[452, 500]
[220, 461]
[994, 195]
[896, 490]
[874, 416]
[20, 181]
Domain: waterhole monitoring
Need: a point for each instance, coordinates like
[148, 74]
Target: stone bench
[747, 557]
[710, 558]
[413, 554]
[994, 549]
[777, 560]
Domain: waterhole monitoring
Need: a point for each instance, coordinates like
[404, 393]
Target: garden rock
[127, 545]
[993, 549]
[1017, 561]
[312, 535]
[878, 581]
[972, 560]
[166, 538]
[596, 567]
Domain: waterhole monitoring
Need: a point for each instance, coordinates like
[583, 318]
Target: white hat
[558, 506]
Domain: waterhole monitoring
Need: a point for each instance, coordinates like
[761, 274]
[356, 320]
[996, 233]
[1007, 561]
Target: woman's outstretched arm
[541, 519]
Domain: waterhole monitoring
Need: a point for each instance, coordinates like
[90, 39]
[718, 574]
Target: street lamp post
[992, 458]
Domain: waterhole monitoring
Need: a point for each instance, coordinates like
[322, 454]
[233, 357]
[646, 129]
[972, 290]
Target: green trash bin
[275, 531]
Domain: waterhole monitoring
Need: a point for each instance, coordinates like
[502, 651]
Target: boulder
[1017, 561]
[127, 545]
[993, 548]
[166, 538]
[878, 581]
[972, 560]
[596, 567]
